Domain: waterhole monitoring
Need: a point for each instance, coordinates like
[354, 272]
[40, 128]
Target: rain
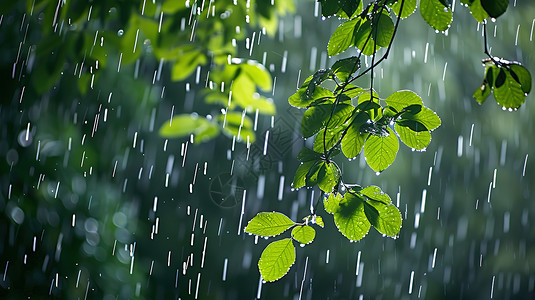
[96, 204]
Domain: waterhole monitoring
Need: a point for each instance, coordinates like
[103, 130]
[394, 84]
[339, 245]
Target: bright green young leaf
[522, 76]
[380, 151]
[386, 218]
[269, 224]
[436, 14]
[401, 99]
[384, 30]
[319, 221]
[344, 68]
[413, 139]
[276, 259]
[350, 217]
[375, 193]
[510, 93]
[185, 125]
[332, 202]
[262, 104]
[342, 37]
[307, 154]
[314, 119]
[409, 7]
[330, 177]
[303, 234]
[300, 175]
[495, 8]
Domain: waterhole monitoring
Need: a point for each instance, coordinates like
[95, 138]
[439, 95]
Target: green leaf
[386, 218]
[303, 234]
[342, 8]
[332, 202]
[409, 7]
[436, 14]
[184, 125]
[300, 175]
[375, 193]
[350, 218]
[482, 93]
[318, 77]
[426, 117]
[258, 74]
[344, 68]
[363, 39]
[495, 8]
[326, 139]
[276, 259]
[186, 63]
[353, 140]
[318, 220]
[329, 177]
[342, 113]
[383, 30]
[380, 151]
[307, 154]
[478, 12]
[413, 139]
[342, 37]
[269, 224]
[510, 93]
[522, 76]
[314, 119]
[315, 174]
[402, 99]
[302, 99]
[239, 125]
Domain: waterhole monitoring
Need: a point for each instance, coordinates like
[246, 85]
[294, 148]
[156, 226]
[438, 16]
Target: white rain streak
[460, 146]
[424, 196]
[225, 265]
[259, 290]
[525, 164]
[242, 211]
[281, 188]
[429, 176]
[303, 280]
[411, 282]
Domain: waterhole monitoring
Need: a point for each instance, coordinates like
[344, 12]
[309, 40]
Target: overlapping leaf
[277, 259]
[269, 224]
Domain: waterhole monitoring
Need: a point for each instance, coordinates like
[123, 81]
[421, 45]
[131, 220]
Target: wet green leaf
[353, 140]
[344, 68]
[482, 93]
[409, 7]
[277, 259]
[386, 218]
[300, 175]
[510, 93]
[314, 119]
[380, 151]
[342, 37]
[301, 99]
[402, 99]
[383, 30]
[350, 218]
[307, 154]
[303, 234]
[436, 14]
[375, 193]
[495, 8]
[418, 140]
[521, 75]
[269, 224]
